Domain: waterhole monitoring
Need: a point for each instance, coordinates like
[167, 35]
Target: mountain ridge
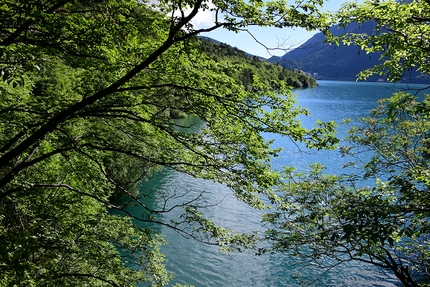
[329, 62]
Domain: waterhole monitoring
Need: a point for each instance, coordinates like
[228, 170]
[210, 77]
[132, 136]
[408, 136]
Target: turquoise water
[205, 266]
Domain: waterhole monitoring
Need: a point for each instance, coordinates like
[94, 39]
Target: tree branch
[27, 23]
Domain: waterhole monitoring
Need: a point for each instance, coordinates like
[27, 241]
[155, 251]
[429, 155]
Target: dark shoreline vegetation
[88, 90]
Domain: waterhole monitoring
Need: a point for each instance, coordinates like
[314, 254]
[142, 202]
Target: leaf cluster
[330, 219]
[322, 216]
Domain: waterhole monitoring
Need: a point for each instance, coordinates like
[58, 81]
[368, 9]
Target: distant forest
[250, 66]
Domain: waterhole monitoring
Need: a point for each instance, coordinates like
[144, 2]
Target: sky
[270, 37]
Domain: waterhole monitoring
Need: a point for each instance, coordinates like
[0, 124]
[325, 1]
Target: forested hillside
[253, 66]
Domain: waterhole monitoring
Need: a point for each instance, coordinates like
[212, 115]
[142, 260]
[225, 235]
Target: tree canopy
[86, 95]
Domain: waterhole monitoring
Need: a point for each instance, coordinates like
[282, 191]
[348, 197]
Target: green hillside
[249, 67]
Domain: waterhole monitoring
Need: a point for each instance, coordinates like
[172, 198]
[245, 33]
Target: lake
[205, 266]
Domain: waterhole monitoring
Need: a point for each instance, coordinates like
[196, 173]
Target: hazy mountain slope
[329, 62]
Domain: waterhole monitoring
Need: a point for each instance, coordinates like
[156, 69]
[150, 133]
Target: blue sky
[271, 37]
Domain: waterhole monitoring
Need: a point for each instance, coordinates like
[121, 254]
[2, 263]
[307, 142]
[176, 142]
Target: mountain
[328, 62]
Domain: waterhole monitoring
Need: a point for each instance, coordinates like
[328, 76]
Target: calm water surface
[205, 266]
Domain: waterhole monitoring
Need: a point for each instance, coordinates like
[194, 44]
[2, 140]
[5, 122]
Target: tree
[86, 92]
[330, 219]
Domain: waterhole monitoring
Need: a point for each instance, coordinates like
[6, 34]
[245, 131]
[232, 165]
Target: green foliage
[75, 243]
[86, 97]
[330, 219]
